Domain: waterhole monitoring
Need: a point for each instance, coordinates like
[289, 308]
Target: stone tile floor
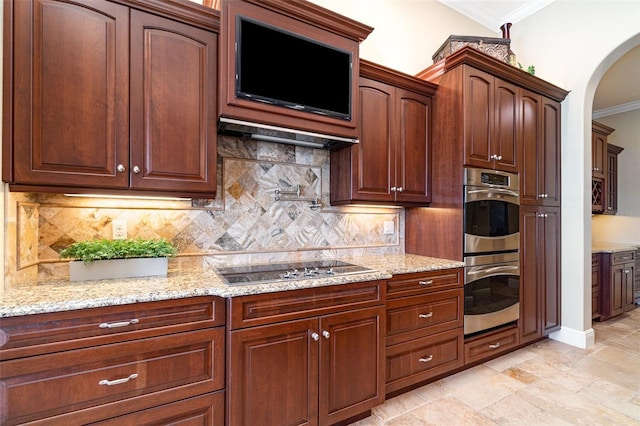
[546, 383]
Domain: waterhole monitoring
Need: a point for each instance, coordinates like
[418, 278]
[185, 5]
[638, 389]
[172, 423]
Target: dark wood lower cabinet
[135, 362]
[617, 283]
[595, 285]
[310, 369]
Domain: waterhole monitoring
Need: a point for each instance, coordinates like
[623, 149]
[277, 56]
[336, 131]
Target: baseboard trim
[581, 339]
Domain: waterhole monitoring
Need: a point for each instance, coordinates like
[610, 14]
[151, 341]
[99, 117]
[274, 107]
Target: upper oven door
[491, 219]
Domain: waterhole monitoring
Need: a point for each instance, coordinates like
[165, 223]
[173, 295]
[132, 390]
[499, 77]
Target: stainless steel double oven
[491, 249]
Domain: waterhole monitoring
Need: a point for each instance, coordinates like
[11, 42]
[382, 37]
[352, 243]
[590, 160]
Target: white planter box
[118, 268]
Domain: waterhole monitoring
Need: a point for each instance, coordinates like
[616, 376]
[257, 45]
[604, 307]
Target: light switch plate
[388, 227]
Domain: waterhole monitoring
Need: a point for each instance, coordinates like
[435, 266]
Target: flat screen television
[286, 69]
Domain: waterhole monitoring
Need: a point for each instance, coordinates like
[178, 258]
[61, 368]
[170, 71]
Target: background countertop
[604, 247]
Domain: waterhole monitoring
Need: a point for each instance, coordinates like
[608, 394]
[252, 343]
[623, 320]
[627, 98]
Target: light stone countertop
[605, 247]
[65, 295]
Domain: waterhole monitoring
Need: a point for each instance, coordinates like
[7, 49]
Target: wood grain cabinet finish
[617, 283]
[539, 272]
[391, 162]
[611, 196]
[601, 199]
[316, 364]
[424, 334]
[540, 174]
[490, 119]
[490, 345]
[304, 19]
[139, 357]
[596, 276]
[129, 106]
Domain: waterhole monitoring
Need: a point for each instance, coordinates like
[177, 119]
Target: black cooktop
[278, 272]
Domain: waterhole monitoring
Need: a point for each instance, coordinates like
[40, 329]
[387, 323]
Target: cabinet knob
[626, 271]
[393, 189]
[326, 334]
[120, 168]
[315, 336]
[136, 169]
[400, 189]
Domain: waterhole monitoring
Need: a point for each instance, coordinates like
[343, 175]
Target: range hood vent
[267, 133]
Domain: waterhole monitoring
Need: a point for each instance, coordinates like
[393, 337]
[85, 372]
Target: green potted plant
[100, 259]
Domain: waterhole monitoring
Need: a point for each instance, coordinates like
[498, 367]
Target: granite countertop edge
[606, 247]
[58, 296]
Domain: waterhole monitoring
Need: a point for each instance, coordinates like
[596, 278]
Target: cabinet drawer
[110, 380]
[412, 317]
[487, 346]
[269, 308]
[44, 333]
[205, 410]
[420, 359]
[419, 283]
[622, 257]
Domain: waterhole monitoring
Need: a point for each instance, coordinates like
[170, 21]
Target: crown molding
[616, 109]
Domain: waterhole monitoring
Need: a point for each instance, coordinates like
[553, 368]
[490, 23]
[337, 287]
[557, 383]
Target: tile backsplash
[258, 215]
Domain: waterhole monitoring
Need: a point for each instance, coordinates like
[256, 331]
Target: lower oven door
[491, 291]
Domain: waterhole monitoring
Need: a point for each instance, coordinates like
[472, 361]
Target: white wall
[571, 44]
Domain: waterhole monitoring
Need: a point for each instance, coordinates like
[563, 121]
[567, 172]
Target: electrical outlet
[119, 229]
[388, 227]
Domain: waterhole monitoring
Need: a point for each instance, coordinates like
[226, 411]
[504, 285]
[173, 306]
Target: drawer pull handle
[494, 346]
[425, 282]
[429, 315]
[118, 381]
[427, 359]
[119, 324]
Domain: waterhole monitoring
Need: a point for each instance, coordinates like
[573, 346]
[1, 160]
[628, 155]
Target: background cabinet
[611, 206]
[601, 179]
[391, 164]
[539, 272]
[130, 105]
[595, 285]
[617, 283]
[314, 357]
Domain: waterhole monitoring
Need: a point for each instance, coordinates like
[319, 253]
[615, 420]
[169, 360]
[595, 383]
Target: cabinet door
[598, 154]
[373, 159]
[505, 141]
[618, 286]
[628, 297]
[549, 163]
[478, 117]
[530, 138]
[351, 370]
[595, 286]
[71, 94]
[529, 322]
[412, 147]
[550, 262]
[173, 105]
[273, 375]
[539, 272]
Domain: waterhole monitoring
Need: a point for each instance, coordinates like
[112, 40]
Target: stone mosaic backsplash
[244, 223]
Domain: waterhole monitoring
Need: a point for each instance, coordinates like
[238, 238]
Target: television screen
[282, 68]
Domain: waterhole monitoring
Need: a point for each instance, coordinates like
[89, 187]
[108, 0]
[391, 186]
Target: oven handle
[477, 273]
[493, 191]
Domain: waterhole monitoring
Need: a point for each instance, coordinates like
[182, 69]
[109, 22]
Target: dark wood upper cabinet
[128, 106]
[612, 178]
[391, 162]
[604, 170]
[299, 18]
[490, 116]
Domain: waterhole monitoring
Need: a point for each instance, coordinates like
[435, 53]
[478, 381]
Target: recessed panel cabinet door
[71, 92]
[173, 105]
[273, 375]
[478, 117]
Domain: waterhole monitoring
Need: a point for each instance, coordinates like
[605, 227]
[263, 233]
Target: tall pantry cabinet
[491, 115]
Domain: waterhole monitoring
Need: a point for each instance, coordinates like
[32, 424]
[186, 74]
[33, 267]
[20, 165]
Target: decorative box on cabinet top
[492, 46]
